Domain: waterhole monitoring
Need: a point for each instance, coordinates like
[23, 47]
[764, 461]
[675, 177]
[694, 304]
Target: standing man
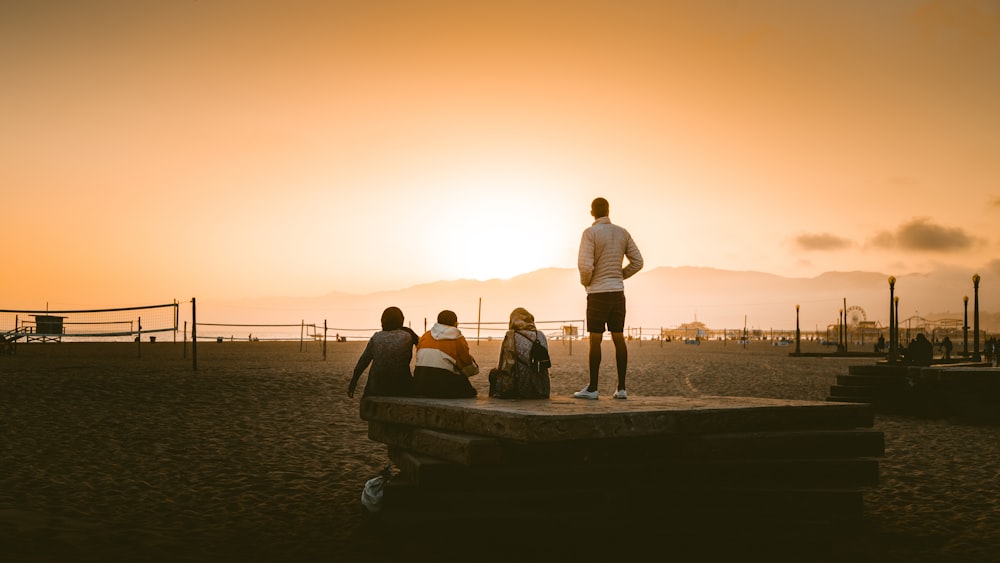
[603, 248]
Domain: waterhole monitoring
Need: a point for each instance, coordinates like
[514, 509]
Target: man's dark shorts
[606, 309]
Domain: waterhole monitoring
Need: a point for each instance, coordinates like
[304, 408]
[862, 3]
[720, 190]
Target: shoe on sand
[620, 394]
[584, 394]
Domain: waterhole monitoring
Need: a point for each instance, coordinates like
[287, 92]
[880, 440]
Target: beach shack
[48, 328]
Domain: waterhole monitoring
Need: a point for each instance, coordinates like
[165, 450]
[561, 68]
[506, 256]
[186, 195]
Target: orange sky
[163, 149]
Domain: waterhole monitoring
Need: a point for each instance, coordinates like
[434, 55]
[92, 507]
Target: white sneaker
[620, 394]
[584, 394]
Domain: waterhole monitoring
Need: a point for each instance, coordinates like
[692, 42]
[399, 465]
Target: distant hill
[660, 297]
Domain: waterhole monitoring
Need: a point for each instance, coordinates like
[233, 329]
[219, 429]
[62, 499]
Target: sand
[259, 455]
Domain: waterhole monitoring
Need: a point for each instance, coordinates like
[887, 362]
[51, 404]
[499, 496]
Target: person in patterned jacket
[389, 352]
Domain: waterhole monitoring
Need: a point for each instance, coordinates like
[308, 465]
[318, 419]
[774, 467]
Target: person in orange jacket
[444, 363]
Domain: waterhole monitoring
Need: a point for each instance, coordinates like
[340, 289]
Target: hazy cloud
[995, 202]
[821, 241]
[922, 234]
[973, 18]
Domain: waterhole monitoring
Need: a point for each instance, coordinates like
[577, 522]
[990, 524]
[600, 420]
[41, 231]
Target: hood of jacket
[445, 332]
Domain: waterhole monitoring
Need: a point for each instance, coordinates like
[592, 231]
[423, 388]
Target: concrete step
[432, 473]
[652, 501]
[467, 449]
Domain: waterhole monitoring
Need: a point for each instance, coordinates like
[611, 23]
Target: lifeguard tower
[48, 328]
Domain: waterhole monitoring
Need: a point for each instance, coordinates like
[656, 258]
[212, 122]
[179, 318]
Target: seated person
[920, 352]
[523, 370]
[389, 352]
[444, 363]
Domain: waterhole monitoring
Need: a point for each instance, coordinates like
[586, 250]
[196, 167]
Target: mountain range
[664, 297]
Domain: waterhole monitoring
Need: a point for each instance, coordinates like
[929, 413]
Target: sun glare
[501, 228]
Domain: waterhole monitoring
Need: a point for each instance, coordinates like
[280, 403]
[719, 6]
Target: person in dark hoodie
[444, 363]
[389, 352]
[920, 352]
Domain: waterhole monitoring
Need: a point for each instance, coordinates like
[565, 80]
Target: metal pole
[798, 333]
[976, 357]
[895, 304]
[965, 327]
[194, 334]
[846, 334]
[892, 321]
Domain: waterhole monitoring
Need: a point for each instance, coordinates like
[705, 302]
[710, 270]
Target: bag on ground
[371, 496]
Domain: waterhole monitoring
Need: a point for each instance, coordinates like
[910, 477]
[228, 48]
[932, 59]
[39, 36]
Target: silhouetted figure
[920, 352]
[603, 248]
[880, 347]
[946, 347]
[389, 352]
[444, 363]
[523, 369]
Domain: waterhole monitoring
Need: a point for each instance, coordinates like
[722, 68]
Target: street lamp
[892, 320]
[840, 330]
[895, 303]
[798, 334]
[975, 323]
[965, 327]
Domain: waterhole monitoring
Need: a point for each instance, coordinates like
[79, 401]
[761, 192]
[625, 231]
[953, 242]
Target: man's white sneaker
[620, 394]
[584, 394]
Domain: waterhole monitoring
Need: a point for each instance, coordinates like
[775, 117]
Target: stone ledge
[565, 418]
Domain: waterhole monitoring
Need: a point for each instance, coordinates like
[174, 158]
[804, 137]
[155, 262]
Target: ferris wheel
[856, 315]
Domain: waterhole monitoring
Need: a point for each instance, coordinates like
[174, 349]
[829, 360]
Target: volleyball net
[247, 332]
[276, 332]
[48, 325]
[495, 330]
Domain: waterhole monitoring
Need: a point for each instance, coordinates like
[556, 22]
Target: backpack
[539, 355]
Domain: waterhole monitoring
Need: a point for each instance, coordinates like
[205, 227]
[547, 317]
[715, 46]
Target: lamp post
[975, 316]
[798, 334]
[892, 321]
[895, 303]
[845, 325]
[965, 327]
[840, 330]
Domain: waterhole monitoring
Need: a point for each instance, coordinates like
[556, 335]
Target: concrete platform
[683, 464]
[566, 418]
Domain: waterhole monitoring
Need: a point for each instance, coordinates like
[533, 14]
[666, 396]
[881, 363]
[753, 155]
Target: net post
[194, 334]
[138, 340]
[324, 339]
[302, 334]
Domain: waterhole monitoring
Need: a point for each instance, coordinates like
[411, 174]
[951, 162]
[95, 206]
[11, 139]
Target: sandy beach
[259, 455]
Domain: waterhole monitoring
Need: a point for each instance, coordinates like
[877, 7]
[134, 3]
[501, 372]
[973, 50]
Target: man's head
[448, 318]
[599, 208]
